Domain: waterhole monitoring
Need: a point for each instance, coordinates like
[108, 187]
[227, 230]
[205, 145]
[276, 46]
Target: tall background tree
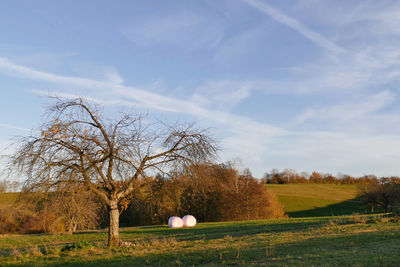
[78, 145]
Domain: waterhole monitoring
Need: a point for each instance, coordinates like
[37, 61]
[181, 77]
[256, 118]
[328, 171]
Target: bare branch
[77, 145]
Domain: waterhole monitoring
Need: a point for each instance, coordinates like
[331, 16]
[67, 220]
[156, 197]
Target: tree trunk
[72, 227]
[113, 229]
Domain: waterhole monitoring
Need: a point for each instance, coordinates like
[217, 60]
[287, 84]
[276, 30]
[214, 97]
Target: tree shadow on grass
[343, 208]
[210, 231]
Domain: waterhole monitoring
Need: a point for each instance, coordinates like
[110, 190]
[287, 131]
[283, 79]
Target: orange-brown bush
[60, 211]
[16, 219]
[214, 192]
[227, 195]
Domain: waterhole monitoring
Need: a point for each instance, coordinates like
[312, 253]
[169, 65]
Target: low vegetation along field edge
[367, 240]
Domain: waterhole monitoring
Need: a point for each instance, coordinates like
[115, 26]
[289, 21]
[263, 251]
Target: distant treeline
[292, 177]
[212, 192]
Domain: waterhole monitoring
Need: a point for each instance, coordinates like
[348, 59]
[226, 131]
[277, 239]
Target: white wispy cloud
[351, 111]
[380, 17]
[296, 25]
[237, 128]
[149, 99]
[223, 94]
[356, 154]
[182, 28]
[13, 69]
[262, 146]
[9, 126]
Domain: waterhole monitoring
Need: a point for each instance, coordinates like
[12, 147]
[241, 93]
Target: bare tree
[81, 212]
[383, 195]
[78, 145]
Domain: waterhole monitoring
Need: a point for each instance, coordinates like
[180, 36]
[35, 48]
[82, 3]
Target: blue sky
[306, 85]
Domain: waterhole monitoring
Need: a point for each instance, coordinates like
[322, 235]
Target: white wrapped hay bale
[189, 221]
[175, 222]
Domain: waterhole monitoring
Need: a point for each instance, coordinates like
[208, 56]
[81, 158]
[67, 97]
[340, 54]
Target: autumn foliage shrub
[212, 192]
[227, 195]
[53, 212]
[17, 219]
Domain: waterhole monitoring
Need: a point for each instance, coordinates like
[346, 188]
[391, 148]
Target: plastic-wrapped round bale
[189, 221]
[175, 222]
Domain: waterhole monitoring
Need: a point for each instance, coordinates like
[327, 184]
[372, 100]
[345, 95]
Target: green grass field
[309, 200]
[360, 240]
[321, 241]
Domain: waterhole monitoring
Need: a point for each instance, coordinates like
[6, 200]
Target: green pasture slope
[308, 200]
[321, 241]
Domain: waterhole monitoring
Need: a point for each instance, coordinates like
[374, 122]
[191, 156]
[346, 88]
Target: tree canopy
[77, 144]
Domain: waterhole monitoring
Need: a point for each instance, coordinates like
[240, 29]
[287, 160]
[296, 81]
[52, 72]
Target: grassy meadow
[321, 241]
[310, 200]
[316, 239]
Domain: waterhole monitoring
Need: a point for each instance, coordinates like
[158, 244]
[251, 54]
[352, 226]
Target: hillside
[346, 241]
[307, 200]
